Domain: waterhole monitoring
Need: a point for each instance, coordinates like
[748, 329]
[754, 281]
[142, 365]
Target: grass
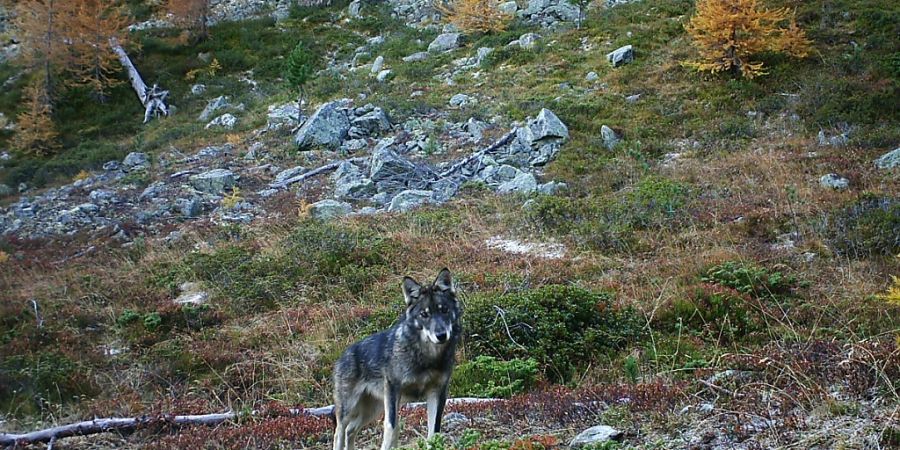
[676, 260]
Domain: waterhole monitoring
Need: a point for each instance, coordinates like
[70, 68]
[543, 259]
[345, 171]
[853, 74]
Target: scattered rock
[5, 190]
[329, 209]
[834, 181]
[455, 421]
[416, 57]
[198, 89]
[327, 127]
[523, 183]
[136, 161]
[460, 100]
[287, 174]
[354, 9]
[889, 160]
[838, 140]
[214, 181]
[192, 294]
[621, 56]
[213, 106]
[377, 65]
[596, 435]
[189, 207]
[410, 199]
[444, 43]
[383, 75]
[226, 121]
[609, 136]
[633, 98]
[591, 76]
[528, 40]
[508, 7]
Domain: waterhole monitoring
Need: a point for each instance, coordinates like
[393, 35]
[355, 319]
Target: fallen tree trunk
[326, 168]
[154, 98]
[121, 424]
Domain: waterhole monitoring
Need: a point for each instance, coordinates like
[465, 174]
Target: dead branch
[110, 424]
[493, 147]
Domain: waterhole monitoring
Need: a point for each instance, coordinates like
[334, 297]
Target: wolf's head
[433, 310]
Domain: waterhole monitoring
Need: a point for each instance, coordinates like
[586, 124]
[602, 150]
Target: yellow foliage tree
[36, 134]
[94, 64]
[729, 33]
[480, 16]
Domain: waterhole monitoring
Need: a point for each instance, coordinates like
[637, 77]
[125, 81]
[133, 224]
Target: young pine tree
[299, 71]
[729, 33]
[36, 134]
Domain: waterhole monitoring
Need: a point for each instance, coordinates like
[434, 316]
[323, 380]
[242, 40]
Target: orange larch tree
[94, 64]
[36, 134]
[729, 33]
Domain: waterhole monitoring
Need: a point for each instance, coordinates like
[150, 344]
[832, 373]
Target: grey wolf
[412, 360]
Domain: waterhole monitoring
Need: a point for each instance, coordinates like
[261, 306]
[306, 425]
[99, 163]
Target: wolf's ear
[411, 290]
[444, 281]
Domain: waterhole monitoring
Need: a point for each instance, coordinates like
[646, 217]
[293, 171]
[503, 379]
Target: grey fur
[410, 361]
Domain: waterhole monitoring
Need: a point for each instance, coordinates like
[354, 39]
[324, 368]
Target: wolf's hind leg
[339, 430]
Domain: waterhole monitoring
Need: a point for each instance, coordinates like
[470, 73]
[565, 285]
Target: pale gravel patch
[539, 249]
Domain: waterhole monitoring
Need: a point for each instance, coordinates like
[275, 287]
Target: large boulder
[410, 199]
[350, 182]
[444, 43]
[523, 183]
[287, 114]
[213, 181]
[327, 127]
[547, 125]
[329, 208]
[373, 122]
[226, 121]
[387, 165]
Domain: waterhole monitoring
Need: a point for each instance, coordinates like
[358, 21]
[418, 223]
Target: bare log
[121, 424]
[319, 170]
[154, 98]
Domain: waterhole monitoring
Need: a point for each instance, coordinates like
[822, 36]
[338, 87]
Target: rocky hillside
[648, 256]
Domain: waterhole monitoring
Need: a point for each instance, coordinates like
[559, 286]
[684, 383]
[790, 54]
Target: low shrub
[562, 327]
[751, 280]
[868, 227]
[489, 377]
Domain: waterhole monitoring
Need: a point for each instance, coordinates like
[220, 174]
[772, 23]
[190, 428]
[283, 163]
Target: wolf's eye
[424, 314]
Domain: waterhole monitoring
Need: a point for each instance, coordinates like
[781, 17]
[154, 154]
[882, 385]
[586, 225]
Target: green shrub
[870, 226]
[750, 279]
[713, 312]
[562, 327]
[488, 377]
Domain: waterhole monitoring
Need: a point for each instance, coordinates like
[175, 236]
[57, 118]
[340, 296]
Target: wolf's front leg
[435, 402]
[391, 416]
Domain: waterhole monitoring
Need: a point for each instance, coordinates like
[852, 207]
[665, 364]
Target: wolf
[412, 360]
